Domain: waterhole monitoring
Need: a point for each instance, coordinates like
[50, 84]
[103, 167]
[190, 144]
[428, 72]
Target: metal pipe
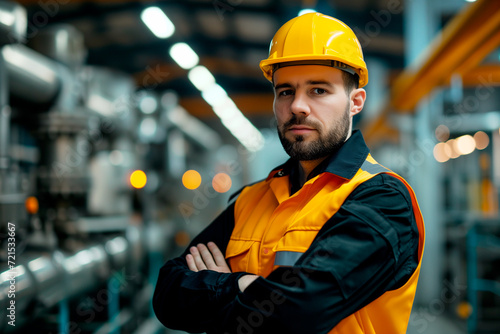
[50, 279]
[13, 22]
[4, 116]
[32, 76]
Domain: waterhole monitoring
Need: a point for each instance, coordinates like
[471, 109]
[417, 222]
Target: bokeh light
[138, 179]
[221, 182]
[441, 152]
[482, 140]
[465, 144]
[442, 133]
[452, 148]
[191, 179]
[31, 205]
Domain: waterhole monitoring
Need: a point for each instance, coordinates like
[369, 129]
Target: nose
[299, 105]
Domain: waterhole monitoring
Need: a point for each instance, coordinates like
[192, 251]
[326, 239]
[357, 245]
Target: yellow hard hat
[316, 38]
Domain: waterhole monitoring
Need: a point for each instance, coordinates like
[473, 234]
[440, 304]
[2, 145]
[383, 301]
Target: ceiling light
[201, 77]
[215, 95]
[184, 56]
[156, 20]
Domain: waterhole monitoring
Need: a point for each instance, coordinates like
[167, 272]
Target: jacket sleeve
[368, 247]
[187, 300]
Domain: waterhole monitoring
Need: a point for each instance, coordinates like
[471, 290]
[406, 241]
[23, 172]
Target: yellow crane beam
[463, 43]
[459, 49]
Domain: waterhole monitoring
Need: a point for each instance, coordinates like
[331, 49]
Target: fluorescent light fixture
[158, 22]
[215, 95]
[246, 133]
[232, 118]
[470, 0]
[201, 77]
[194, 128]
[306, 11]
[226, 110]
[184, 56]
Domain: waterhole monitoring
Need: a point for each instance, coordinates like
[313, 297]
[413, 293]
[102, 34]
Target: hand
[245, 281]
[203, 258]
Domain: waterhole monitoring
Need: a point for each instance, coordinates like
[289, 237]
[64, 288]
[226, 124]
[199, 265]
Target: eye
[286, 92]
[318, 91]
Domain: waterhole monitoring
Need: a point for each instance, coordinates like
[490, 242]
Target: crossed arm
[202, 257]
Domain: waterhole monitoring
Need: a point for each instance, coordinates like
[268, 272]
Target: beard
[326, 144]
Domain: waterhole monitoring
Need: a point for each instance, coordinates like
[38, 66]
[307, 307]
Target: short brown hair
[351, 81]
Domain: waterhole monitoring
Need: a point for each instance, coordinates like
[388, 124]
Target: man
[331, 241]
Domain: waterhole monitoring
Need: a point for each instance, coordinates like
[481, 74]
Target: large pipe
[32, 76]
[47, 279]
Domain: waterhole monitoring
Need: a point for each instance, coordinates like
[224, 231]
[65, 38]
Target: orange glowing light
[440, 152]
[138, 179]
[482, 140]
[221, 182]
[191, 179]
[31, 205]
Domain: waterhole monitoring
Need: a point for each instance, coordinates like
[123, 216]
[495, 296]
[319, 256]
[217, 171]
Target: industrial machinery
[80, 244]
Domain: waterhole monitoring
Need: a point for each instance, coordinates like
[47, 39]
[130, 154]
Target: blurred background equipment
[126, 125]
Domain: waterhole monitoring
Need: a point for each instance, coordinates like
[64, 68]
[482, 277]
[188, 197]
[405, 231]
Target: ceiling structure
[230, 37]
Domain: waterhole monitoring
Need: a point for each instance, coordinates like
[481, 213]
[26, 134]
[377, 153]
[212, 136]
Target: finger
[197, 258]
[206, 256]
[190, 262]
[217, 254]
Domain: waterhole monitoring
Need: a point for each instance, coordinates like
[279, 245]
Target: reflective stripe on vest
[287, 259]
[373, 168]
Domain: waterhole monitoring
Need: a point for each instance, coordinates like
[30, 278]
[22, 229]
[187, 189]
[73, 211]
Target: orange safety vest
[270, 224]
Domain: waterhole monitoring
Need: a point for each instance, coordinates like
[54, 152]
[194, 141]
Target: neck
[307, 167]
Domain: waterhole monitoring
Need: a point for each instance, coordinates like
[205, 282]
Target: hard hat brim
[266, 65]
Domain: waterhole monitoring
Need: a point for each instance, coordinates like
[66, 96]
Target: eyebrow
[309, 82]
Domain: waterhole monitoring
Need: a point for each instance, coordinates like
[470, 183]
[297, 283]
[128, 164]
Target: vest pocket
[296, 240]
[292, 245]
[237, 254]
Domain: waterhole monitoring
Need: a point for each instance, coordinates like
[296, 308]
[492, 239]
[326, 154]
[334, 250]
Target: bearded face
[327, 140]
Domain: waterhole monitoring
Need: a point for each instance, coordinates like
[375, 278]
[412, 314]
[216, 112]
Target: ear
[358, 97]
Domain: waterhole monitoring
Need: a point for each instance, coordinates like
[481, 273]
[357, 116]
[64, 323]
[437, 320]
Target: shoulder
[383, 188]
[384, 203]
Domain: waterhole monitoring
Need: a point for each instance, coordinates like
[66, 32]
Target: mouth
[300, 129]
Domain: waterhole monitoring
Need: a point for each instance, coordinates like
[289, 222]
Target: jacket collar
[345, 162]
